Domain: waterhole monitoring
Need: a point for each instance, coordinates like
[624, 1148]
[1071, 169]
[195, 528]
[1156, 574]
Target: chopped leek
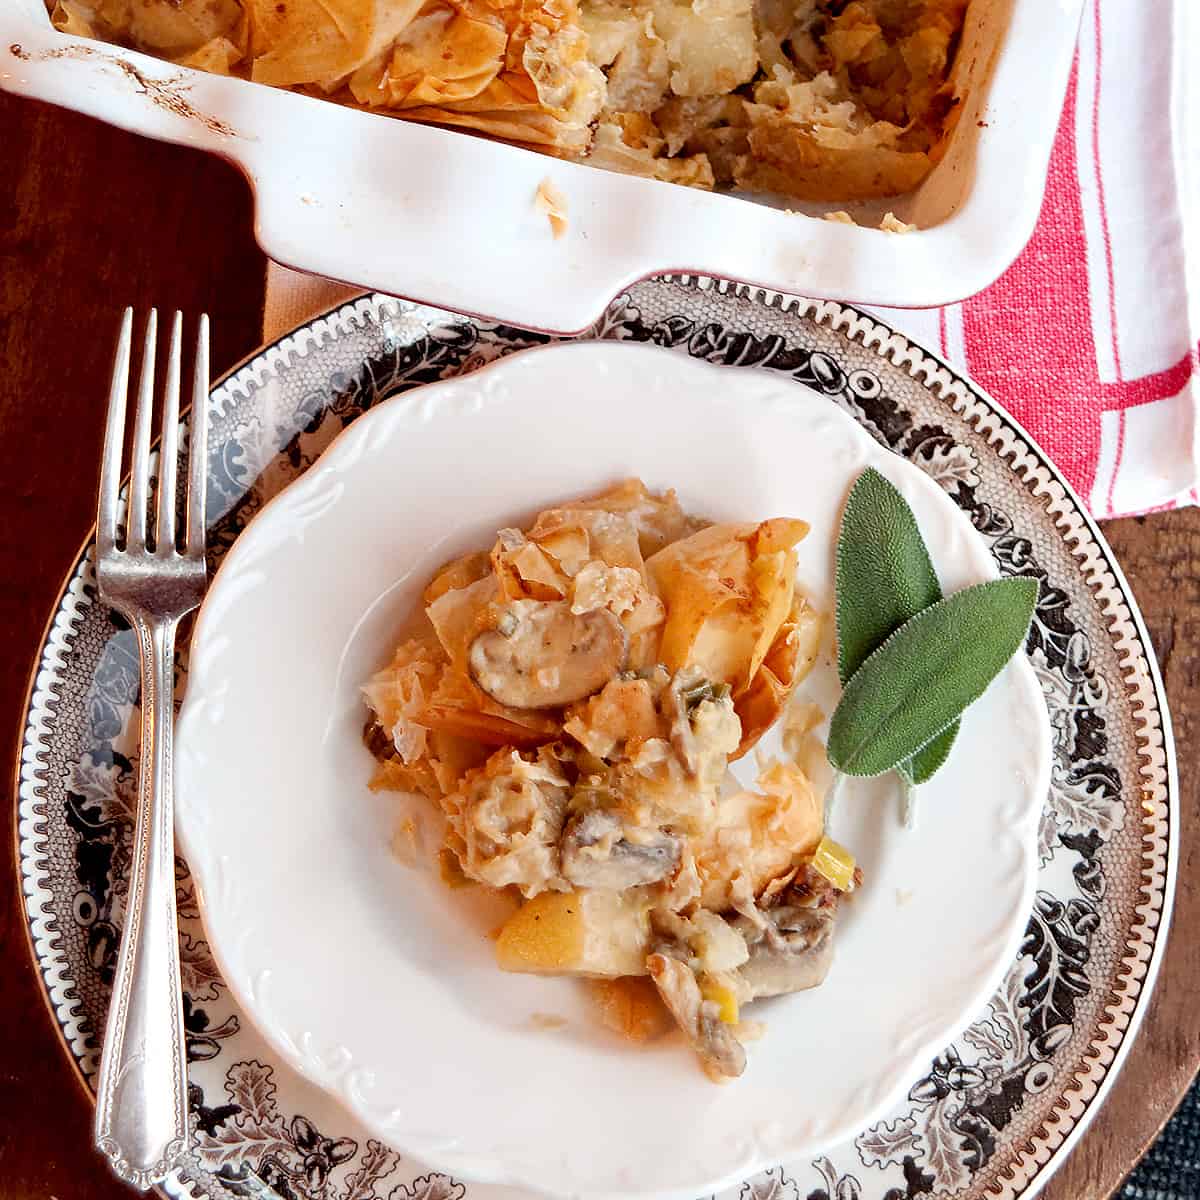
[836, 863]
[723, 996]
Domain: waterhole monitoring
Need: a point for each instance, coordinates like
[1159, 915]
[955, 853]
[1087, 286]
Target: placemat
[1171, 1168]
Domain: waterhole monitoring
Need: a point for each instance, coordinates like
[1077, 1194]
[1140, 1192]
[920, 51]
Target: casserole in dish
[461, 221]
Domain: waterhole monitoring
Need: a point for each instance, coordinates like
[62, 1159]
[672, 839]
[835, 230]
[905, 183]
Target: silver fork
[152, 579]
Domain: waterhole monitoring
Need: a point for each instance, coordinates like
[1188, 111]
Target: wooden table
[92, 219]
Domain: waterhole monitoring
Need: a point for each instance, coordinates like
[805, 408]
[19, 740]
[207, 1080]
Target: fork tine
[114, 441]
[198, 454]
[168, 453]
[139, 484]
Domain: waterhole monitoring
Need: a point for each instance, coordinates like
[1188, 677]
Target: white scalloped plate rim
[282, 535]
[1035, 1160]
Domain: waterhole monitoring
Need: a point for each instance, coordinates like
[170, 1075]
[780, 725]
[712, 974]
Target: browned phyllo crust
[570, 705]
[822, 100]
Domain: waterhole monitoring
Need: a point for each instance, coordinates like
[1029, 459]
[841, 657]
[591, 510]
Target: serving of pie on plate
[571, 700]
[820, 100]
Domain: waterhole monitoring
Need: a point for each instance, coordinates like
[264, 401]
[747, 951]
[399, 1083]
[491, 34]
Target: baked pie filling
[820, 100]
[569, 701]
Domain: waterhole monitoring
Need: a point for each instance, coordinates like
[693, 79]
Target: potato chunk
[591, 933]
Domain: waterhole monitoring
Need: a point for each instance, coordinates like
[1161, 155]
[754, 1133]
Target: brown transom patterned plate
[993, 1113]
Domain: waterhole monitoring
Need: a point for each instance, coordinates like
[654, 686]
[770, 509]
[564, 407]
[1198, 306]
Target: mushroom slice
[792, 952]
[542, 655]
[721, 1053]
[596, 853]
[505, 821]
[378, 740]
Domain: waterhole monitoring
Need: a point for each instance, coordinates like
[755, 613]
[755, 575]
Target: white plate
[291, 851]
[397, 206]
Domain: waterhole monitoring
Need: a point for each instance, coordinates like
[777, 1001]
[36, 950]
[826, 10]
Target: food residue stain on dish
[548, 1022]
[17, 51]
[162, 93]
[407, 842]
[889, 224]
[903, 896]
[550, 201]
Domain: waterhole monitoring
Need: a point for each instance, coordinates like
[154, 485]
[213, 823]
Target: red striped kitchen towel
[1090, 338]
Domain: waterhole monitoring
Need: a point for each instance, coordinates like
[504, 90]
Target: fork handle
[141, 1106]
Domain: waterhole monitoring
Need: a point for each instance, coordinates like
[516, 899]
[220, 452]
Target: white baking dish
[449, 218]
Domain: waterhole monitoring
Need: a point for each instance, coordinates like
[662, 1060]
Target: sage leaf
[884, 574]
[884, 577]
[927, 673]
[930, 758]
